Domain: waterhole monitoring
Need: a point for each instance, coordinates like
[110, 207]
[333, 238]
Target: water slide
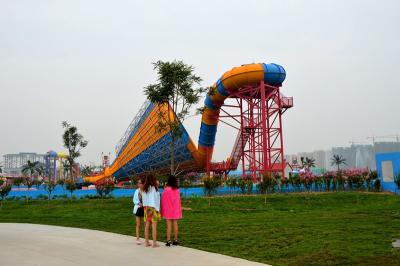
[144, 149]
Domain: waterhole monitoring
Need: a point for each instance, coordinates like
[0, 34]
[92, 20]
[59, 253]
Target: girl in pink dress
[171, 209]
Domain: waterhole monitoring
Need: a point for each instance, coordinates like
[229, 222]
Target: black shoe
[168, 244]
[176, 242]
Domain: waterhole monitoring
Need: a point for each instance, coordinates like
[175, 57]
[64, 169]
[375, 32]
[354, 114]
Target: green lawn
[291, 229]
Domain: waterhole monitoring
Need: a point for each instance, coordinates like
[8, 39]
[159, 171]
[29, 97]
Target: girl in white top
[138, 209]
[151, 204]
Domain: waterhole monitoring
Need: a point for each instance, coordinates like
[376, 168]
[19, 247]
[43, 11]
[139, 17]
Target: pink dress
[171, 204]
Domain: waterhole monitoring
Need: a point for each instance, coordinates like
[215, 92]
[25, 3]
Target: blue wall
[394, 157]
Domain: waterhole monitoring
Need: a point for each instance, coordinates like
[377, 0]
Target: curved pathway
[33, 244]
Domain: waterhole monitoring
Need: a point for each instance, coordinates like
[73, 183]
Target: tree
[176, 90]
[70, 186]
[74, 142]
[40, 171]
[31, 168]
[86, 170]
[307, 163]
[104, 188]
[5, 189]
[338, 160]
[1, 168]
[18, 181]
[188, 180]
[232, 183]
[29, 182]
[211, 184]
[49, 186]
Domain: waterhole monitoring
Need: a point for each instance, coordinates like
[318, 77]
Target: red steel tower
[258, 120]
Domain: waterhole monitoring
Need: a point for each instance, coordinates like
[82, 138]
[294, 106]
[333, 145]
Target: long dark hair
[172, 182]
[150, 180]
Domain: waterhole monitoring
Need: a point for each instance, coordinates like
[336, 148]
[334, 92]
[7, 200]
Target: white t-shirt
[151, 198]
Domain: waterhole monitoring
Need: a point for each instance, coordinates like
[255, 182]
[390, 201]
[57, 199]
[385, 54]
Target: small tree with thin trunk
[338, 160]
[70, 186]
[49, 186]
[74, 142]
[177, 89]
[210, 185]
[29, 182]
[104, 188]
[307, 163]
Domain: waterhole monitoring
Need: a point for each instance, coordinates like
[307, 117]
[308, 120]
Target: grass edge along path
[341, 228]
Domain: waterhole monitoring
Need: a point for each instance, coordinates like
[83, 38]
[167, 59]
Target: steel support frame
[260, 116]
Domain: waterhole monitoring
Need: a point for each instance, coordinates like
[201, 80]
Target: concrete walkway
[32, 244]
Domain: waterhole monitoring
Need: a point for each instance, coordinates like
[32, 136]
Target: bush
[285, 182]
[318, 182]
[377, 185]
[61, 182]
[328, 177]
[267, 183]
[63, 196]
[295, 181]
[70, 186]
[162, 179]
[307, 179]
[4, 190]
[49, 186]
[188, 180]
[42, 197]
[232, 183]
[91, 197]
[242, 185]
[397, 180]
[105, 187]
[249, 186]
[211, 183]
[18, 181]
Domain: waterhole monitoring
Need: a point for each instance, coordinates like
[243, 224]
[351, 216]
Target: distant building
[357, 156]
[13, 163]
[388, 168]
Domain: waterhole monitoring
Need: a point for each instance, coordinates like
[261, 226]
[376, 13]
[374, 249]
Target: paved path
[32, 244]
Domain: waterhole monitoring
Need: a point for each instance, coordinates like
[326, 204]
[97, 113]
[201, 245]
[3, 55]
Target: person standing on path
[138, 209]
[171, 209]
[151, 204]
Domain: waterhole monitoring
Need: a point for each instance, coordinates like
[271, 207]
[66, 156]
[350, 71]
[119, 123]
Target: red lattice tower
[257, 116]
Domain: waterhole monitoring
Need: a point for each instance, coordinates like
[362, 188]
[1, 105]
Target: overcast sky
[87, 62]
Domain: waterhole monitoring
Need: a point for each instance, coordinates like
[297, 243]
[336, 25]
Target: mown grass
[346, 228]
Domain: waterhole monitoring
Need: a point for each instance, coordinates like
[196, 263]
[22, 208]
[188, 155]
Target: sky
[87, 62]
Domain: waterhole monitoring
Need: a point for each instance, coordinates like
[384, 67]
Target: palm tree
[338, 160]
[40, 170]
[307, 163]
[30, 168]
[66, 169]
[87, 170]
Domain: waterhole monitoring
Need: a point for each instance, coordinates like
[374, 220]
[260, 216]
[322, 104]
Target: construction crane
[357, 142]
[396, 136]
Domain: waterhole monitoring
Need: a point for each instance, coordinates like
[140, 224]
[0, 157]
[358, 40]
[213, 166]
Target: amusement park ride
[254, 109]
